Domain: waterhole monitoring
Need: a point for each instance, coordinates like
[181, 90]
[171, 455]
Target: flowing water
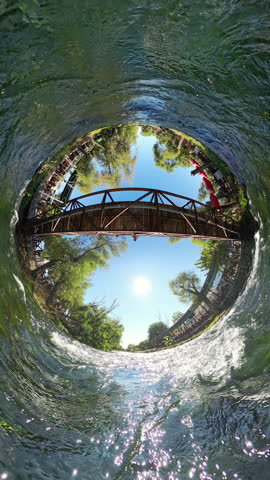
[197, 411]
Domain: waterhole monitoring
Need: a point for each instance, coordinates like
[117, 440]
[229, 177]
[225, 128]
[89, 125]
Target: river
[198, 411]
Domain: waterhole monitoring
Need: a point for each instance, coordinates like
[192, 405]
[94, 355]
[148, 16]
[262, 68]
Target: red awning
[194, 162]
[214, 200]
[203, 174]
[208, 185]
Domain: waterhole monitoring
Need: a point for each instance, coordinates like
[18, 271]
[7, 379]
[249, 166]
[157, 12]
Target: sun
[142, 285]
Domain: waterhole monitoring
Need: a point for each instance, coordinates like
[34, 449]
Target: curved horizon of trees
[71, 262]
[154, 330]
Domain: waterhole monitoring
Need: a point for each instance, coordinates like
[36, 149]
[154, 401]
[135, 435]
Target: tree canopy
[71, 263]
[213, 251]
[186, 286]
[169, 151]
[110, 161]
[174, 240]
[176, 316]
[156, 329]
[98, 329]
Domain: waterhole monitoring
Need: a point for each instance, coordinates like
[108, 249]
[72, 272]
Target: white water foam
[21, 287]
[211, 355]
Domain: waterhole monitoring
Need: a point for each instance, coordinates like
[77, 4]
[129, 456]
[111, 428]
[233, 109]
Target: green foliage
[141, 345]
[149, 130]
[176, 316]
[156, 329]
[186, 286]
[203, 194]
[72, 261]
[109, 162]
[131, 347]
[168, 341]
[219, 164]
[200, 242]
[174, 240]
[99, 330]
[213, 251]
[242, 198]
[169, 152]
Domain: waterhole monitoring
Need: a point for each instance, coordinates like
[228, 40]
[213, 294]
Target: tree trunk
[55, 288]
[84, 254]
[50, 263]
[214, 293]
[180, 144]
[43, 267]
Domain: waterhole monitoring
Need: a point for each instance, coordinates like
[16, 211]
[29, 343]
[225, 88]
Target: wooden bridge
[148, 212]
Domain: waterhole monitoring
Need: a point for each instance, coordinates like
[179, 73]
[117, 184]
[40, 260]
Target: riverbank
[231, 285]
[196, 335]
[43, 191]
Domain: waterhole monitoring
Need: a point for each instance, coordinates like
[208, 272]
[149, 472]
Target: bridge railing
[186, 206]
[154, 196]
[194, 213]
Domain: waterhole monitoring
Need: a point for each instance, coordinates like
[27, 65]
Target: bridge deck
[138, 219]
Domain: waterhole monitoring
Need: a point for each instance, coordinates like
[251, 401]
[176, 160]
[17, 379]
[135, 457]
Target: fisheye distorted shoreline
[135, 321]
[221, 226]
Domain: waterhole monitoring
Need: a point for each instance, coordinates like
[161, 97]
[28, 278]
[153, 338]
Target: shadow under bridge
[147, 212]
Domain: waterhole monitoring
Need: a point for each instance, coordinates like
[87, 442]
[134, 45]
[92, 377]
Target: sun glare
[142, 285]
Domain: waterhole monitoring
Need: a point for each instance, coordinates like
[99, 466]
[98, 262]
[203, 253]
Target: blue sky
[153, 258]
[158, 261]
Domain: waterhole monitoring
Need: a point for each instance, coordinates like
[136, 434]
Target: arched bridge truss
[151, 213]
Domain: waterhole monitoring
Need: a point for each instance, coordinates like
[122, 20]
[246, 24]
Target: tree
[186, 286]
[110, 161]
[156, 329]
[176, 316]
[213, 251]
[203, 194]
[131, 347]
[150, 130]
[141, 345]
[71, 262]
[200, 242]
[98, 329]
[169, 150]
[174, 240]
